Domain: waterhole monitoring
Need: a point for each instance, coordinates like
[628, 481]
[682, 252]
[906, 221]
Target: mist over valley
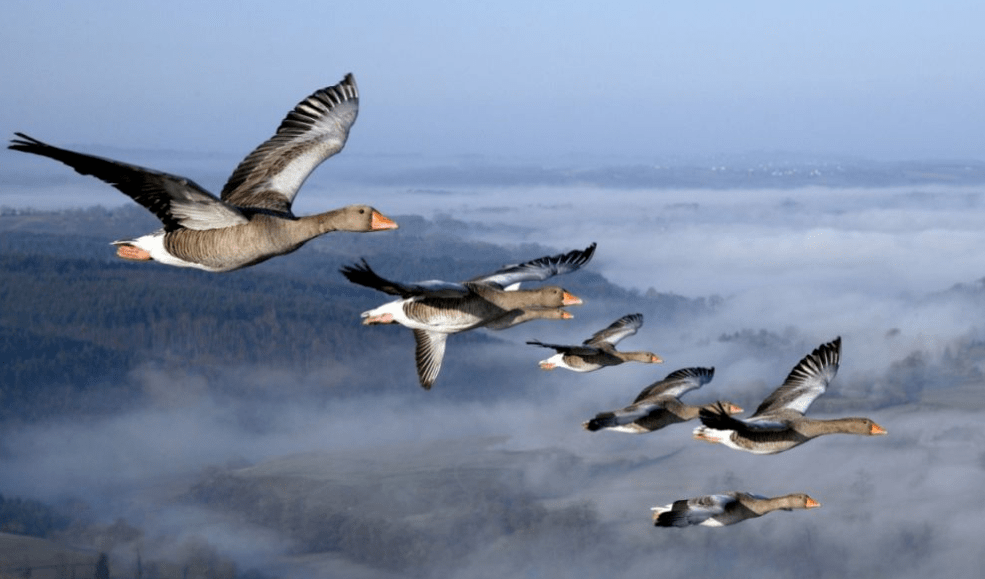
[246, 423]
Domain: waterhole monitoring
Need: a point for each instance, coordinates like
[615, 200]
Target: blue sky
[885, 80]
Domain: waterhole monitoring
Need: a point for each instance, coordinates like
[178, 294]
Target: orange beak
[570, 300]
[876, 429]
[566, 315]
[656, 359]
[380, 222]
[812, 504]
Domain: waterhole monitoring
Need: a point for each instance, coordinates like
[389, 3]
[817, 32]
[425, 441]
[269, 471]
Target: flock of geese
[251, 221]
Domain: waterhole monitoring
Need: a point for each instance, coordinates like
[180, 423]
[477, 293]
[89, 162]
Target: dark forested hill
[76, 321]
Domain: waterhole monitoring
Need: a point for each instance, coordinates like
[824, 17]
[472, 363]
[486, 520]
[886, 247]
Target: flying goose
[779, 423]
[658, 406]
[252, 220]
[599, 350]
[434, 309]
[726, 509]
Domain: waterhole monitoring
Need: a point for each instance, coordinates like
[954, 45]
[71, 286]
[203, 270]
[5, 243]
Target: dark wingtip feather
[362, 274]
[356, 271]
[601, 420]
[350, 80]
[580, 257]
[675, 517]
[25, 143]
[704, 375]
[716, 417]
[831, 348]
[670, 518]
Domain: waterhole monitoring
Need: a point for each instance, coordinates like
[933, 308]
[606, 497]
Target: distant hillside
[22, 556]
[76, 320]
[419, 516]
[740, 172]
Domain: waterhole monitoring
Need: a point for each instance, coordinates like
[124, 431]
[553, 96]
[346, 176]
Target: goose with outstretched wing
[251, 221]
[779, 423]
[599, 350]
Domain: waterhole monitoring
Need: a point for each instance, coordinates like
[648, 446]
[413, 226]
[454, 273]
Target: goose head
[360, 218]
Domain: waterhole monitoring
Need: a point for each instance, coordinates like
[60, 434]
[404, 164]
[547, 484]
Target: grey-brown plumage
[252, 220]
[522, 314]
[779, 423]
[658, 405]
[599, 350]
[726, 509]
[434, 308]
[430, 346]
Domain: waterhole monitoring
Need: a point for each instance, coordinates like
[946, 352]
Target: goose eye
[361, 211]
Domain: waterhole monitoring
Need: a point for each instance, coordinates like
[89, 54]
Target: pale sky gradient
[896, 80]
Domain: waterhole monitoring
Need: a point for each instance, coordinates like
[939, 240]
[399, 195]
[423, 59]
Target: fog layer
[418, 483]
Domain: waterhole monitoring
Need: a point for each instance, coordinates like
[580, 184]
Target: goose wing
[718, 418]
[808, 380]
[510, 276]
[617, 330]
[364, 275]
[317, 128]
[677, 383]
[176, 201]
[694, 511]
[429, 353]
[563, 349]
[622, 417]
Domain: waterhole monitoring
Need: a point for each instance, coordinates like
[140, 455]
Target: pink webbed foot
[133, 253]
[379, 319]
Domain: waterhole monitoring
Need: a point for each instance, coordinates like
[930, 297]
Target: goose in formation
[658, 405]
[779, 423]
[434, 309]
[251, 221]
[726, 509]
[599, 350]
